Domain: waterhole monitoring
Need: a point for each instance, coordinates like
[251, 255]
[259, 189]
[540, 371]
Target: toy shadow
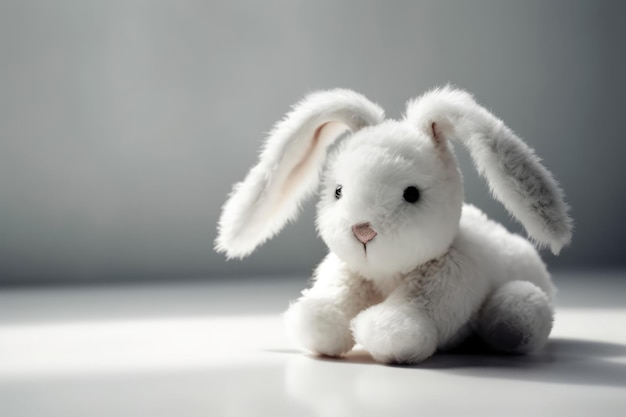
[562, 361]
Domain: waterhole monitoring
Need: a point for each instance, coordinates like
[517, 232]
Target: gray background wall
[123, 124]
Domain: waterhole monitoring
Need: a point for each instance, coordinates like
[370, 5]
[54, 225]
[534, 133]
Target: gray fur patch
[533, 182]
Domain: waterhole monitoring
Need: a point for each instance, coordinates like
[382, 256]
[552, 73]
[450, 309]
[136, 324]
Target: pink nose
[363, 232]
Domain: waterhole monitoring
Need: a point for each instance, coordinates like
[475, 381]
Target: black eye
[338, 192]
[411, 194]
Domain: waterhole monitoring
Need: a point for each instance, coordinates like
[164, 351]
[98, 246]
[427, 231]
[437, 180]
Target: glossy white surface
[202, 349]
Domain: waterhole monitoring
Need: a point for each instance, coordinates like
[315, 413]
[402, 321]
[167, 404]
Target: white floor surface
[218, 349]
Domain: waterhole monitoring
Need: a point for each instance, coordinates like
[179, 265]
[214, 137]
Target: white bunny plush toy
[411, 269]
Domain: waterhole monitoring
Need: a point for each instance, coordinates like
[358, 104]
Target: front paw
[393, 334]
[320, 326]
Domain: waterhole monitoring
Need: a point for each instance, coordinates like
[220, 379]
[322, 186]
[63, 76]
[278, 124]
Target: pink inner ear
[307, 165]
[439, 130]
[436, 133]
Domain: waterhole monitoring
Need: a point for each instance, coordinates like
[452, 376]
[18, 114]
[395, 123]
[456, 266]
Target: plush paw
[395, 334]
[516, 318]
[319, 326]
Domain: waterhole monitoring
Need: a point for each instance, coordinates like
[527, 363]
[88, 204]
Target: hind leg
[516, 318]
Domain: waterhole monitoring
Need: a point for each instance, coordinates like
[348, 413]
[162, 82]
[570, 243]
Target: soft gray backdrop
[123, 124]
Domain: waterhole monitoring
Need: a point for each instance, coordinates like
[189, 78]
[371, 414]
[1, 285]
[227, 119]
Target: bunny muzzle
[364, 232]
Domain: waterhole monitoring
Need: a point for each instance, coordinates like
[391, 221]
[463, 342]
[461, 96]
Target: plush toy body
[411, 268]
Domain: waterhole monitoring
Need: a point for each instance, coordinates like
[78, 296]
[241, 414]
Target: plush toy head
[391, 199]
[392, 192]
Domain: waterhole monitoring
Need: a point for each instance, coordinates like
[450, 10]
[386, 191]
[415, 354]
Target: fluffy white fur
[288, 171]
[437, 270]
[514, 173]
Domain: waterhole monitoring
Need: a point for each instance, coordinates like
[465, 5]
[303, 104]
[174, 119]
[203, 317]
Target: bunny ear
[289, 168]
[513, 171]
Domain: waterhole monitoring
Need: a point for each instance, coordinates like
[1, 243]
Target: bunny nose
[363, 232]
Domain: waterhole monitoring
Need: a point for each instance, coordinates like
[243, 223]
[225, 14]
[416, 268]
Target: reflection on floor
[218, 349]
